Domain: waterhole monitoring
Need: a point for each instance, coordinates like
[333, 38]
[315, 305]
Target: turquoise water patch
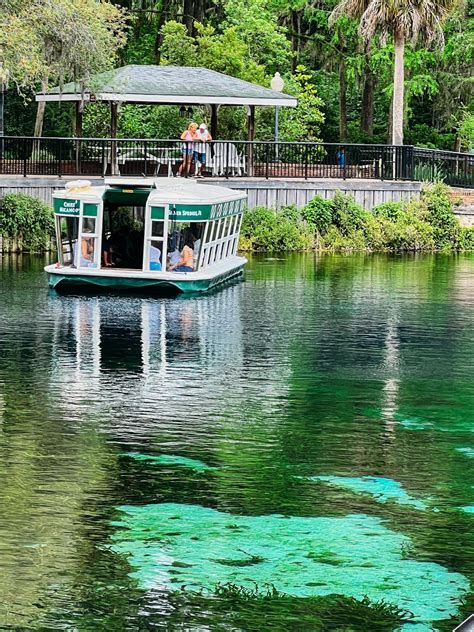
[467, 451]
[172, 459]
[414, 423]
[381, 489]
[468, 509]
[170, 545]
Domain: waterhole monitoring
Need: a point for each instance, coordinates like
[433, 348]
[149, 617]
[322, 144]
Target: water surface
[311, 428]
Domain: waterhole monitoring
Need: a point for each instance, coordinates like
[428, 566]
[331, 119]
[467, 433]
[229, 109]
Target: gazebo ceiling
[169, 85]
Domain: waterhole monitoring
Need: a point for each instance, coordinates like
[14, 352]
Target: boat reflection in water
[132, 354]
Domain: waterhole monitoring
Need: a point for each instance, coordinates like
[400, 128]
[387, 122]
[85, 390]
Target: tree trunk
[367, 113]
[398, 90]
[40, 111]
[188, 13]
[342, 101]
[295, 27]
[159, 34]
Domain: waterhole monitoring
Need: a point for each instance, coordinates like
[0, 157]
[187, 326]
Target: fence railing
[139, 157]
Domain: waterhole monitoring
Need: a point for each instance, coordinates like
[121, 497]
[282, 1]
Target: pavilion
[168, 85]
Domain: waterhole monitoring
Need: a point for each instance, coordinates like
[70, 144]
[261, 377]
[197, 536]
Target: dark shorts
[184, 269]
[201, 157]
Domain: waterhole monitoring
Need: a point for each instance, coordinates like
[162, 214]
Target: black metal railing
[134, 157]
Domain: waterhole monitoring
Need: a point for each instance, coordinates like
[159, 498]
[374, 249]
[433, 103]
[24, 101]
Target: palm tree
[404, 20]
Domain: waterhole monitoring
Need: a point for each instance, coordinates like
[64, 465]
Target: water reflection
[315, 367]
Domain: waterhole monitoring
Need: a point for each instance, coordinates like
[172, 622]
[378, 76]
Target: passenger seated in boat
[87, 253]
[186, 260]
[155, 258]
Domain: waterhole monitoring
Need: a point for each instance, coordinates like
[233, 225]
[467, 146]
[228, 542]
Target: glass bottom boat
[146, 234]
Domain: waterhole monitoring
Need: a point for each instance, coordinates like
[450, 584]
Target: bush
[436, 202]
[347, 215]
[340, 224]
[27, 221]
[467, 238]
[265, 229]
[389, 210]
[318, 214]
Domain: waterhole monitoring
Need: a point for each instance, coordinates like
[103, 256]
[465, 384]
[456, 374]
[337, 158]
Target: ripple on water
[170, 545]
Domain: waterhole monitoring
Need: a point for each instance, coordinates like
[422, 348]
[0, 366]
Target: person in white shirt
[202, 137]
[155, 258]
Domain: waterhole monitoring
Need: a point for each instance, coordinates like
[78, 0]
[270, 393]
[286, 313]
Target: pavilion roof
[169, 85]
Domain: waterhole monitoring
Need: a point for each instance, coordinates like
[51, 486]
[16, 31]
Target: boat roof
[187, 191]
[162, 190]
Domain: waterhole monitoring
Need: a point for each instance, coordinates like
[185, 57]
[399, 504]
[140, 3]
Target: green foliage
[467, 238]
[303, 122]
[347, 216]
[340, 224]
[318, 214]
[439, 214]
[388, 210]
[178, 49]
[466, 131]
[27, 221]
[265, 229]
[61, 40]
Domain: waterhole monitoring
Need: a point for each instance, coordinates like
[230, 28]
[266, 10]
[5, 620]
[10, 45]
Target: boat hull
[68, 278]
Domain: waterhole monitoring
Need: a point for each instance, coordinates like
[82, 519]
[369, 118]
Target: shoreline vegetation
[427, 224]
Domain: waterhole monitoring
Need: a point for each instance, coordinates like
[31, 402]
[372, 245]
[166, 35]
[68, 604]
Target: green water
[309, 430]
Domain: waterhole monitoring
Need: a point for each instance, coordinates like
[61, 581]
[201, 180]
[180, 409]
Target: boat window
[155, 256]
[178, 233]
[88, 225]
[67, 228]
[157, 229]
[88, 251]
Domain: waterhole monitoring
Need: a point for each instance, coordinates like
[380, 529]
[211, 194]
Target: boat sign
[66, 207]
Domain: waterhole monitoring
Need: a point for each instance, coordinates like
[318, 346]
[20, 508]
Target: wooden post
[78, 133]
[113, 134]
[250, 137]
[214, 107]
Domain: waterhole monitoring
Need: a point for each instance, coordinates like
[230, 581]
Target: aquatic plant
[381, 489]
[260, 607]
[304, 557]
[171, 459]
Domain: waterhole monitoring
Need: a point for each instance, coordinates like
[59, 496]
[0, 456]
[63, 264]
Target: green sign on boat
[66, 207]
[198, 212]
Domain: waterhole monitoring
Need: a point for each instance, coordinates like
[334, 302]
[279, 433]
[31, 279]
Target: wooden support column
[250, 137]
[214, 108]
[78, 133]
[113, 134]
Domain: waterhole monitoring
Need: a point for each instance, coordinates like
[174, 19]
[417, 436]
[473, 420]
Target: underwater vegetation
[264, 607]
[469, 452]
[381, 489]
[172, 545]
[171, 459]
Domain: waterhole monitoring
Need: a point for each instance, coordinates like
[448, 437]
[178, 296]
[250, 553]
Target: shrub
[340, 224]
[26, 220]
[347, 215]
[268, 230]
[440, 215]
[467, 238]
[389, 210]
[318, 214]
